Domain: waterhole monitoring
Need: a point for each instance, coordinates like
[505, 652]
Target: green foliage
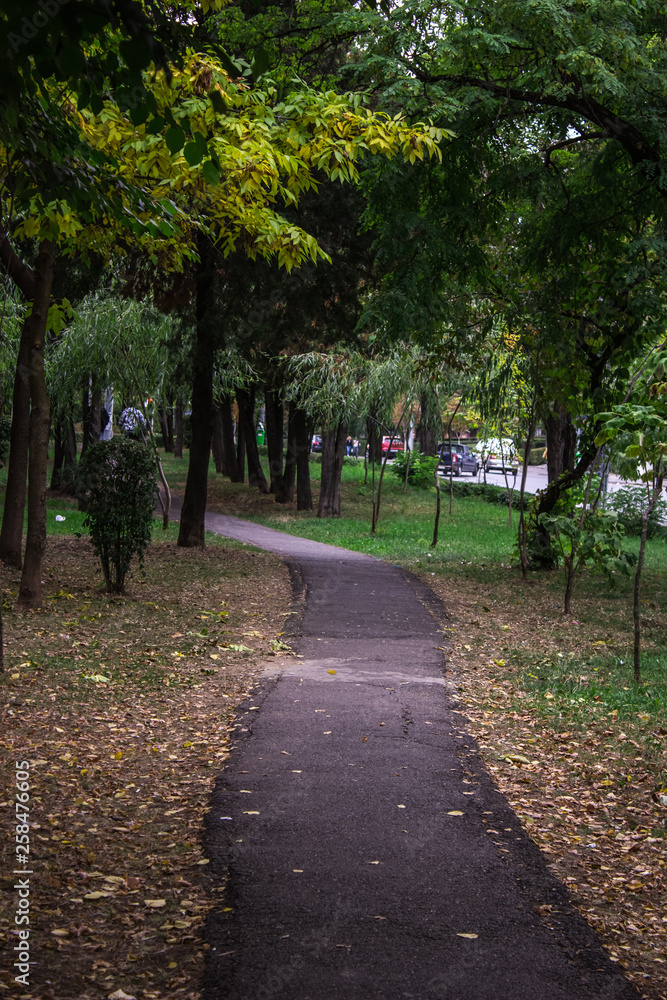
[421, 471]
[598, 541]
[585, 534]
[628, 502]
[117, 483]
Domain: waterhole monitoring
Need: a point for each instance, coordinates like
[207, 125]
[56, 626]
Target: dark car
[461, 460]
[316, 444]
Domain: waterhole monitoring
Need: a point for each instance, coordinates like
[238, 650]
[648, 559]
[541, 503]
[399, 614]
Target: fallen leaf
[155, 903]
[469, 937]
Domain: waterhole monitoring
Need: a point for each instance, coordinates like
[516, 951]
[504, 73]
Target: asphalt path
[365, 852]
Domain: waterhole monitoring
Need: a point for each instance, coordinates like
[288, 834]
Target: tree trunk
[165, 416]
[59, 450]
[436, 523]
[561, 443]
[178, 443]
[636, 620]
[275, 417]
[374, 439]
[333, 452]
[229, 457]
[523, 551]
[303, 437]
[217, 444]
[570, 576]
[246, 401]
[286, 492]
[429, 425]
[30, 589]
[92, 418]
[11, 535]
[240, 449]
[191, 532]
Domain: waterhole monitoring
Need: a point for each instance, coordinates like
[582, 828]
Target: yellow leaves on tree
[219, 155]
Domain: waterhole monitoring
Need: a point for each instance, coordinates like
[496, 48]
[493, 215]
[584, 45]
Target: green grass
[600, 685]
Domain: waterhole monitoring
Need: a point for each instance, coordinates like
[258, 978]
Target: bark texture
[178, 442]
[191, 532]
[217, 445]
[286, 493]
[30, 588]
[561, 443]
[229, 456]
[246, 402]
[64, 456]
[302, 439]
[11, 534]
[333, 452]
[275, 417]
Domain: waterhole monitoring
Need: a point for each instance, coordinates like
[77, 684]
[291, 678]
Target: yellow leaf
[118, 755]
[470, 937]
[155, 903]
[331, 671]
[455, 812]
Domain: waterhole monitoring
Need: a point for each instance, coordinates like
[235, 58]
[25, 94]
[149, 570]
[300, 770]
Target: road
[536, 479]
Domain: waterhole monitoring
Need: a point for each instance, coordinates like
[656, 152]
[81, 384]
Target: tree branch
[638, 147]
[22, 275]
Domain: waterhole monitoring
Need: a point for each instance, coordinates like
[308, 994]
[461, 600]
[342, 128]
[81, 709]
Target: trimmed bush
[117, 489]
[421, 472]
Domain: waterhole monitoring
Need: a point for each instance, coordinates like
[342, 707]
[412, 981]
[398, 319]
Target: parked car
[393, 447]
[498, 455]
[461, 460]
[316, 443]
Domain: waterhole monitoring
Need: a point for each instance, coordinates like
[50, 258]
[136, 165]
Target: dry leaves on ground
[588, 797]
[124, 707]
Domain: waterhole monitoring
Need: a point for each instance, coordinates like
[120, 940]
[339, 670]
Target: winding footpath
[365, 851]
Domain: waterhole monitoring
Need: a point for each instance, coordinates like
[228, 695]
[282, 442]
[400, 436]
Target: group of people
[352, 447]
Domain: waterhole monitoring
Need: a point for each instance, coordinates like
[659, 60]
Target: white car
[498, 455]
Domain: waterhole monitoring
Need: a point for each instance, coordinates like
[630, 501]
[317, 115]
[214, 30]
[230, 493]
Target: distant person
[355, 447]
[348, 446]
[132, 422]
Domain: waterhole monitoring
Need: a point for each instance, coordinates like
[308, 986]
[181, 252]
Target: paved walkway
[366, 853]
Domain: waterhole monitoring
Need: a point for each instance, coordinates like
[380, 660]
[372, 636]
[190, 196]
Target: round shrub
[117, 490]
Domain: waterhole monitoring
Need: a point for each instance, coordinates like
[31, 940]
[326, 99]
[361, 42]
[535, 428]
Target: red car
[393, 447]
